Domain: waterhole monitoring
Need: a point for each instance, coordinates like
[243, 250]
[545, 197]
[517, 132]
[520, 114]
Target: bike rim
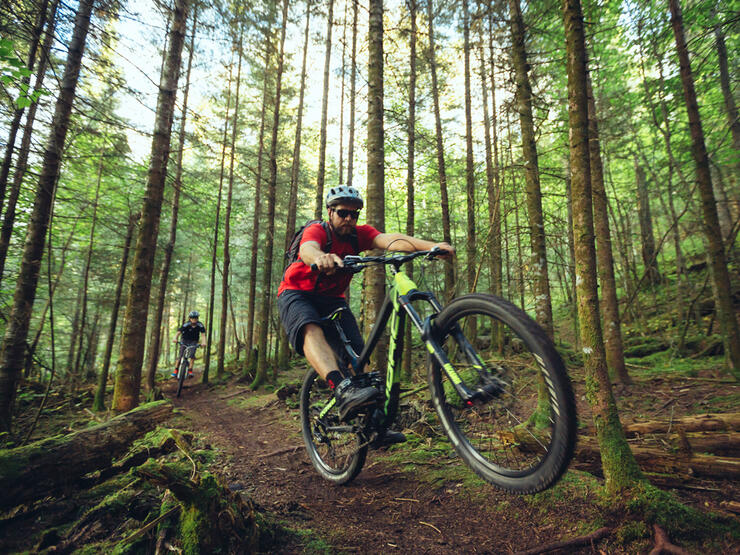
[513, 433]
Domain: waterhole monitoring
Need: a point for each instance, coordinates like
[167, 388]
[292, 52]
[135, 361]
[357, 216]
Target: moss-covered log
[587, 457]
[729, 422]
[213, 519]
[52, 465]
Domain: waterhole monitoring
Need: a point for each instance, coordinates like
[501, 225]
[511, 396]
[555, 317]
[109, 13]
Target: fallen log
[53, 465]
[729, 422]
[588, 457]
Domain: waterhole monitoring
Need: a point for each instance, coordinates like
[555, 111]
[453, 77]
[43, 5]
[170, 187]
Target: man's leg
[317, 350]
[321, 356]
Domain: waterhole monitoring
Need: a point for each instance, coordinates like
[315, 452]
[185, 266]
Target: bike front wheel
[181, 374]
[337, 449]
[520, 433]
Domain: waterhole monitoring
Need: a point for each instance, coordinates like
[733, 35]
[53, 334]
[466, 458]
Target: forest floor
[418, 497]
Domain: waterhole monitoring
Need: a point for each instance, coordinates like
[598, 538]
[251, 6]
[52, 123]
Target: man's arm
[177, 336]
[406, 243]
[310, 252]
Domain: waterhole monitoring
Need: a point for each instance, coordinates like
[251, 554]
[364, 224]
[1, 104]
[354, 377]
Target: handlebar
[355, 264]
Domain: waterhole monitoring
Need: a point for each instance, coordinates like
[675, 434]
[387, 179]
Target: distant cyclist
[190, 332]
[305, 296]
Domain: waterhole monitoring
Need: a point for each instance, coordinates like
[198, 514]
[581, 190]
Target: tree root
[588, 539]
[663, 545]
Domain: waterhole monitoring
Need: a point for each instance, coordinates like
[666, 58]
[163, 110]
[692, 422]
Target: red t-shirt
[299, 275]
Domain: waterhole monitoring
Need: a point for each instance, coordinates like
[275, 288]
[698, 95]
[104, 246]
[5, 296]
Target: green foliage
[12, 72]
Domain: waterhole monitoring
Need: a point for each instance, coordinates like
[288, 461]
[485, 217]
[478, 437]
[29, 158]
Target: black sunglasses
[343, 213]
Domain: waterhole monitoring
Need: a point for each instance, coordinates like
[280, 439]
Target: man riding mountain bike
[190, 332]
[306, 296]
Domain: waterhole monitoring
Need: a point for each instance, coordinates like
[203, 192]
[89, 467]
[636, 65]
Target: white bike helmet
[342, 193]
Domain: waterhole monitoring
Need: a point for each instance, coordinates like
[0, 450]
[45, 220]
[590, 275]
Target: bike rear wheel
[182, 373]
[336, 449]
[521, 437]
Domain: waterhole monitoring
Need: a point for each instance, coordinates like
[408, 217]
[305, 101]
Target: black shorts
[298, 308]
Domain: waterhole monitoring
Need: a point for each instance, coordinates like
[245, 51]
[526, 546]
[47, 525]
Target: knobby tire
[522, 439]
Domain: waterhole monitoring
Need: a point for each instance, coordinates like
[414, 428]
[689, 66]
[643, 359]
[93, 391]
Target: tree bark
[320, 177]
[214, 254]
[16, 332]
[227, 220]
[293, 195]
[441, 170]
[543, 304]
[647, 239]
[604, 255]
[250, 339]
[375, 206]
[86, 278]
[155, 346]
[620, 469]
[470, 239]
[128, 376]
[716, 254]
[99, 402]
[411, 133]
[494, 180]
[261, 374]
[352, 97]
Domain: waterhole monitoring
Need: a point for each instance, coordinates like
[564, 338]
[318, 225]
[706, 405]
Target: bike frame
[394, 310]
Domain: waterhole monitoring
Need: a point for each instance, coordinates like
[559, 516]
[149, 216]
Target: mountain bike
[182, 371]
[498, 385]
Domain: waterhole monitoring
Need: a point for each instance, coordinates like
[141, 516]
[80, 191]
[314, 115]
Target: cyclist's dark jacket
[191, 334]
[299, 276]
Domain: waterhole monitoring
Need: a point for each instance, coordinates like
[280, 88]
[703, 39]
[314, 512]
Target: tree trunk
[470, 239]
[214, 254]
[647, 240]
[293, 198]
[99, 403]
[494, 181]
[21, 162]
[352, 97]
[49, 301]
[444, 202]
[725, 84]
[320, 177]
[128, 376]
[15, 123]
[620, 469]
[543, 304]
[227, 220]
[604, 255]
[250, 339]
[261, 374]
[16, 332]
[155, 346]
[374, 284]
[341, 97]
[76, 375]
[411, 132]
[571, 256]
[716, 254]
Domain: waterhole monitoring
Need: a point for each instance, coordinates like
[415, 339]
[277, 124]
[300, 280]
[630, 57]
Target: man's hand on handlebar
[328, 263]
[449, 250]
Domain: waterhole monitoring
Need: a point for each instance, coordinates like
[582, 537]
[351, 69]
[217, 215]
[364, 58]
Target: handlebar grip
[314, 268]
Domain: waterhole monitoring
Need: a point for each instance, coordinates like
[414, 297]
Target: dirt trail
[384, 510]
